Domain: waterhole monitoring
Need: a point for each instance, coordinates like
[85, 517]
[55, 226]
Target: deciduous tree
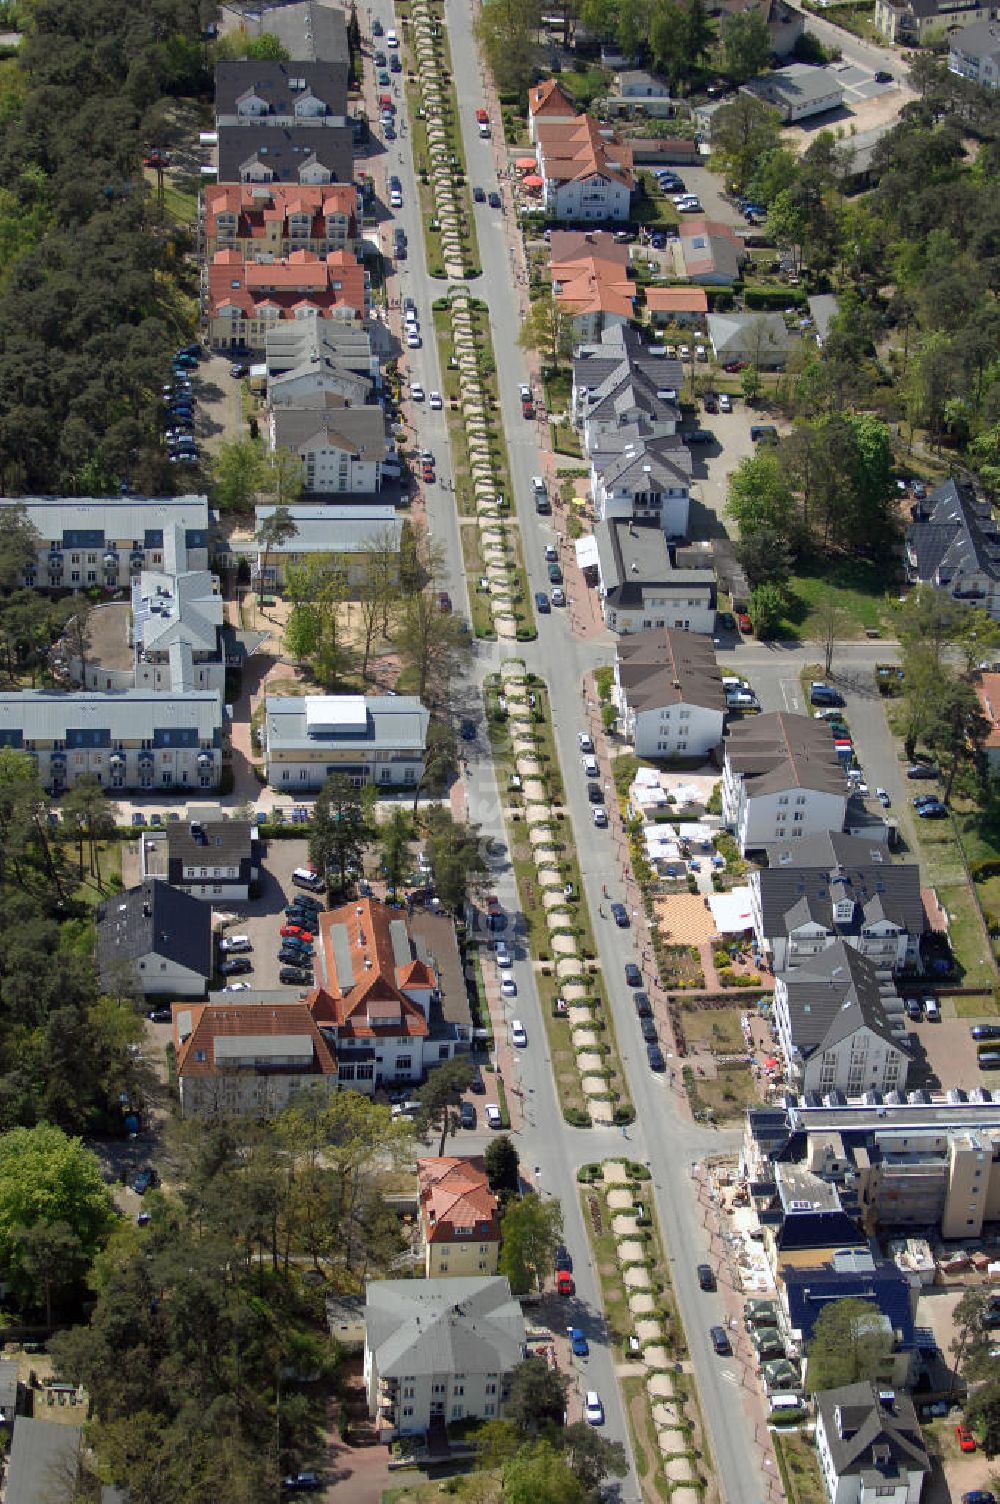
[440, 1095]
[849, 1344]
[537, 1396]
[744, 130]
[341, 827]
[531, 1232]
[746, 44]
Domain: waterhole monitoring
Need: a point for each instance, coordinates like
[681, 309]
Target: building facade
[247, 298]
[781, 781]
[459, 1218]
[870, 1446]
[267, 221]
[90, 543]
[368, 738]
[341, 450]
[669, 694]
[239, 1059]
[157, 937]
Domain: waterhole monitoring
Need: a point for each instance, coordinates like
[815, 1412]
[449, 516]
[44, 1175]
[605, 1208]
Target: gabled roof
[154, 919]
[663, 667]
[279, 84]
[312, 31]
[329, 284]
[257, 204]
[455, 1197]
[357, 431]
[624, 459]
[988, 694]
[735, 333]
[284, 150]
[222, 842]
[634, 559]
[44, 1459]
[620, 375]
[575, 150]
[868, 1436]
[590, 273]
[549, 99]
[371, 963]
[824, 869]
[954, 533]
[213, 1036]
[443, 1326]
[775, 752]
[676, 300]
[710, 247]
[810, 1292]
[831, 996]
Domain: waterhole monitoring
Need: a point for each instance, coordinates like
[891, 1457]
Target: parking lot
[714, 463]
[950, 1050]
[263, 916]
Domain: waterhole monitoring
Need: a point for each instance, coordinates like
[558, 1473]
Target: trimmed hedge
[775, 297]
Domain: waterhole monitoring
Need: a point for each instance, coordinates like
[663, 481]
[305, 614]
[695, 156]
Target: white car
[557, 596]
[700, 353]
[685, 352]
[725, 402]
[600, 816]
[417, 392]
[427, 456]
[508, 987]
[413, 340]
[593, 1409]
[395, 199]
[882, 795]
[491, 1113]
[237, 987]
[525, 391]
[505, 961]
[585, 740]
[518, 1035]
[436, 401]
[234, 944]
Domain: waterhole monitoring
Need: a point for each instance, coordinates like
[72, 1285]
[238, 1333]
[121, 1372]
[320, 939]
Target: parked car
[619, 914]
[144, 1181]
[164, 1016]
[493, 198]
[920, 770]
[643, 1007]
[557, 595]
[301, 1483]
[492, 1114]
[443, 601]
[542, 602]
[593, 1409]
[706, 1277]
[578, 1342]
[965, 1439]
[600, 816]
[235, 966]
[467, 1115]
[479, 194]
[933, 811]
[720, 1340]
[295, 976]
[725, 402]
[585, 741]
[633, 976]
[978, 1031]
[595, 793]
[647, 1028]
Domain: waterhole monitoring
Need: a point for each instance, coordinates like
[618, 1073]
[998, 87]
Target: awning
[586, 552]
[525, 164]
[532, 181]
[731, 912]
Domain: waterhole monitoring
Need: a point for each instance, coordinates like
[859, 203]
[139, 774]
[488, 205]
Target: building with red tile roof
[246, 298]
[590, 278]
[273, 219]
[586, 170]
[377, 1002]
[677, 305]
[459, 1217]
[547, 101]
[247, 1059]
[988, 694]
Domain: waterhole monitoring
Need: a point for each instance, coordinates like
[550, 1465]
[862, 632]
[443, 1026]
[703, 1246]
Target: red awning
[771, 1063]
[534, 181]
[525, 164]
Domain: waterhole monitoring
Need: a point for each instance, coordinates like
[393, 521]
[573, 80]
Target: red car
[564, 1282]
[966, 1440]
[482, 117]
[743, 622]
[295, 930]
[527, 409]
[428, 472]
[732, 366]
[444, 601]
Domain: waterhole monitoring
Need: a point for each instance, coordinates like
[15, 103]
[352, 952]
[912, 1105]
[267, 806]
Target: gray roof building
[283, 153]
[298, 342]
[360, 431]
[635, 566]
[44, 1461]
[830, 996]
[150, 924]
[263, 90]
[626, 459]
[665, 667]
[873, 1437]
[317, 33]
[344, 528]
[427, 1327]
[620, 381]
[814, 875]
[798, 90]
[823, 308]
[776, 752]
[953, 543]
[148, 523]
[82, 720]
[346, 722]
[760, 338]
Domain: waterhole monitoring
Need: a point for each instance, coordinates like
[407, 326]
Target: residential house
[870, 1446]
[376, 739]
[90, 543]
[255, 91]
[784, 25]
[320, 386]
[638, 584]
[214, 857]
[157, 936]
[13, 1398]
[318, 33]
[247, 1059]
[895, 1165]
[907, 22]
[342, 449]
[590, 280]
[798, 90]
[439, 1351]
[621, 383]
[833, 1028]
[642, 479]
[384, 1005]
[549, 104]
[256, 152]
[669, 693]
[459, 1218]
[246, 298]
[823, 309]
[171, 638]
[294, 346]
[351, 539]
[781, 780]
[268, 221]
[851, 1274]
[130, 739]
[44, 1463]
[831, 886]
[586, 170]
[987, 689]
[639, 95]
[756, 339]
[713, 254]
[685, 306]
[974, 53]
[953, 543]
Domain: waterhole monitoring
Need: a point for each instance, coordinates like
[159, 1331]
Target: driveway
[218, 416]
[713, 464]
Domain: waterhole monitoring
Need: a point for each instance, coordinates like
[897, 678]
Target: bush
[576, 1117]
[988, 867]
[775, 297]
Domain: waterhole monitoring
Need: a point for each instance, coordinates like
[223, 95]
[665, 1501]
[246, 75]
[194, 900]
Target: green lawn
[799, 1468]
[109, 860]
[855, 587]
[651, 207]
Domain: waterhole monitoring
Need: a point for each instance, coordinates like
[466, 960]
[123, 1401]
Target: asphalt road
[854, 50]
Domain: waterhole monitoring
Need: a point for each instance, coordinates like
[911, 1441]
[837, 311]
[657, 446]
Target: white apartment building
[781, 781]
[669, 694]
[89, 543]
[367, 738]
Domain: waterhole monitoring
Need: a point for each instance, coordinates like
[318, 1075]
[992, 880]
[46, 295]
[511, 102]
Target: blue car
[619, 914]
[542, 602]
[578, 1342]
